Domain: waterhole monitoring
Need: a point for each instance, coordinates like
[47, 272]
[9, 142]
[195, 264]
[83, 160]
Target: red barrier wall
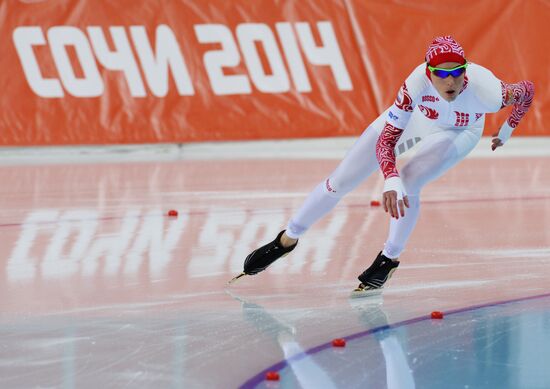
[99, 72]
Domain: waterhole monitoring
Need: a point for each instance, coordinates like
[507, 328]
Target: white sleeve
[487, 87]
[407, 97]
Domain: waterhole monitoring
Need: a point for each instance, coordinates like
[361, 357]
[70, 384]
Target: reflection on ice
[54, 245]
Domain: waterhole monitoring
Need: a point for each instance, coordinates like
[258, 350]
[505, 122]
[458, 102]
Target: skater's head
[446, 66]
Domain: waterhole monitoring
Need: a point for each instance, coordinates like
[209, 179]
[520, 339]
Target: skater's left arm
[520, 96]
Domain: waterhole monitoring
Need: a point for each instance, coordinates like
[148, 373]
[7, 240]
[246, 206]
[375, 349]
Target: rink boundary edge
[316, 148]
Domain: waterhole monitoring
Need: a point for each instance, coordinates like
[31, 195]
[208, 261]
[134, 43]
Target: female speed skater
[454, 95]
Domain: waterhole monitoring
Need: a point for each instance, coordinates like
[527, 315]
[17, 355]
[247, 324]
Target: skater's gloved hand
[502, 136]
[395, 197]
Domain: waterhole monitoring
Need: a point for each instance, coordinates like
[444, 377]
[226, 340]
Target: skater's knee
[414, 201]
[413, 180]
[413, 187]
[333, 188]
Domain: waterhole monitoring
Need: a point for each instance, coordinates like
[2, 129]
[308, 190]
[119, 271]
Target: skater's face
[450, 86]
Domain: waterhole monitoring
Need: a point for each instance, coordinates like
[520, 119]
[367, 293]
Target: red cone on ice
[339, 342]
[272, 376]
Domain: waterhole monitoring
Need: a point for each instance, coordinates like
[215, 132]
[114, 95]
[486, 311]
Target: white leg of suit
[438, 152]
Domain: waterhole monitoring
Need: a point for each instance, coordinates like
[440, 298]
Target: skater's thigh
[359, 163]
[438, 152]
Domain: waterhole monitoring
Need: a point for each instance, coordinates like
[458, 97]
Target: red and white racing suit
[445, 131]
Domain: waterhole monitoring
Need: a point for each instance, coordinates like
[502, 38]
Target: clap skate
[374, 278]
[261, 258]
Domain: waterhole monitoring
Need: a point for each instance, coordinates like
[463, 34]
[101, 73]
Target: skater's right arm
[394, 196]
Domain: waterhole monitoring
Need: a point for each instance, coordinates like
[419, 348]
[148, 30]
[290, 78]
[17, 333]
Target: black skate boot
[374, 278]
[259, 259]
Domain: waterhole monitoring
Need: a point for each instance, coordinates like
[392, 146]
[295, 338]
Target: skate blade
[235, 279]
[360, 293]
